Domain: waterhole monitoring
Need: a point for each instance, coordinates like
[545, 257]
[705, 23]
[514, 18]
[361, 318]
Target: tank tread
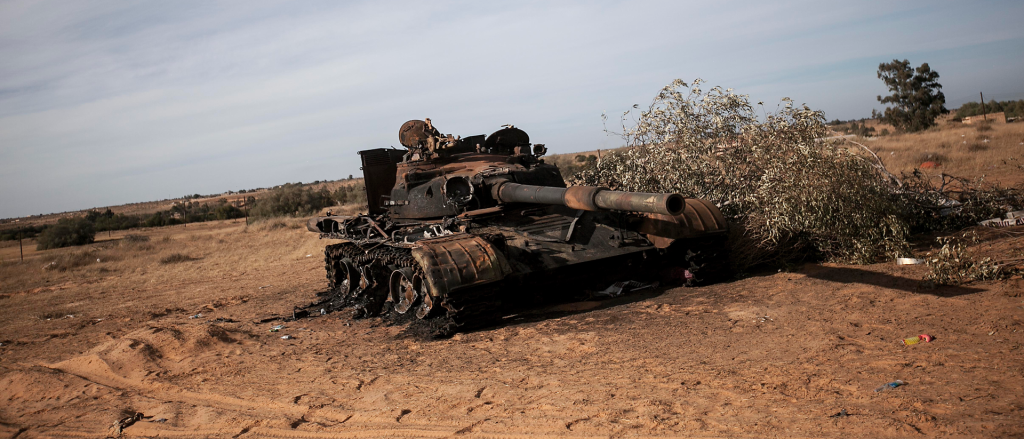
[463, 309]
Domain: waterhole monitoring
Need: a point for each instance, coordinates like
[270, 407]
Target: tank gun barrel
[590, 198]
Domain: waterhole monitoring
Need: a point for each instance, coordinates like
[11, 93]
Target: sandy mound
[153, 352]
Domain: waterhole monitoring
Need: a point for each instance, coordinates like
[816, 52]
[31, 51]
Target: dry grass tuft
[132, 238]
[977, 147]
[175, 258]
[278, 223]
[69, 260]
[930, 156]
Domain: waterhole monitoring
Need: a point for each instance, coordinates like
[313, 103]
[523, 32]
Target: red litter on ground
[918, 339]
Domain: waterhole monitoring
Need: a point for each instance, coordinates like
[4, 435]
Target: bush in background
[67, 232]
[292, 199]
[1011, 108]
[350, 194]
[25, 232]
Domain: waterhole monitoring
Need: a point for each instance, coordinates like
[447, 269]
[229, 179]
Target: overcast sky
[110, 102]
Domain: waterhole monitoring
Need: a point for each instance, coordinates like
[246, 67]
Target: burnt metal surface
[698, 218]
[379, 176]
[459, 261]
[416, 132]
[457, 226]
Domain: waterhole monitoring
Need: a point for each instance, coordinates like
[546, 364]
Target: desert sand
[772, 354]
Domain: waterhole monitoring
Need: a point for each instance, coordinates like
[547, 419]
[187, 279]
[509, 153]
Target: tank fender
[458, 261]
[699, 218]
[326, 224]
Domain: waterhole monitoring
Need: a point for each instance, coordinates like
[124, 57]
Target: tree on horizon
[916, 96]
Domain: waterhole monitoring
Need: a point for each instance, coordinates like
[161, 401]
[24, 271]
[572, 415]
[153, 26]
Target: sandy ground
[770, 355]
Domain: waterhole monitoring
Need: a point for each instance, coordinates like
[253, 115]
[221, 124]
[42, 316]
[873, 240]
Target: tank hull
[494, 263]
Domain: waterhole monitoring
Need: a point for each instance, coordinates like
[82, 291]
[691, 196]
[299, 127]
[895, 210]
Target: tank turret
[454, 223]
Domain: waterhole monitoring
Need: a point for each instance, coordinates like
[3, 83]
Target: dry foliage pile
[789, 190]
[953, 264]
[946, 203]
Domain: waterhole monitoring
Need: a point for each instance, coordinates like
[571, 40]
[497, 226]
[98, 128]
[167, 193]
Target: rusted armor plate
[699, 218]
[459, 261]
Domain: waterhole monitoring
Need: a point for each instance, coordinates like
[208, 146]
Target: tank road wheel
[372, 291]
[366, 280]
[426, 307]
[345, 277]
[405, 289]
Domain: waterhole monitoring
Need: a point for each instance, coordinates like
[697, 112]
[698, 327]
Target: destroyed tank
[461, 230]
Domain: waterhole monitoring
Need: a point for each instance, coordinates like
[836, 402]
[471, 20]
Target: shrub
[787, 193]
[21, 233]
[227, 211]
[292, 199]
[954, 265]
[66, 233]
[156, 220]
[350, 194]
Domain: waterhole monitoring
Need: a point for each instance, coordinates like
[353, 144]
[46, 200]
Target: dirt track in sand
[768, 355]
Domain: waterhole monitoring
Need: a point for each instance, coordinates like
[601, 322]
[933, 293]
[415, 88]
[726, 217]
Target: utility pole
[984, 114]
[245, 204]
[21, 248]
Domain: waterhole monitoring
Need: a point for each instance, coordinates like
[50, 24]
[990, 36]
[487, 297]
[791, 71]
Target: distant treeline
[858, 128]
[294, 199]
[288, 199]
[82, 230]
[1012, 108]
